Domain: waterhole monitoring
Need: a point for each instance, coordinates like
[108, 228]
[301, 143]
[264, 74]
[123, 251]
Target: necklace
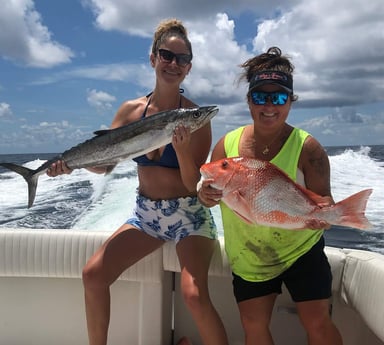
[267, 147]
[265, 151]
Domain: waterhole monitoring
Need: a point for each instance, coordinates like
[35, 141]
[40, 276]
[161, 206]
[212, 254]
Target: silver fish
[111, 146]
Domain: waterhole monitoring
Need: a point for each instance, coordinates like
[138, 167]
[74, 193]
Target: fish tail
[353, 210]
[29, 175]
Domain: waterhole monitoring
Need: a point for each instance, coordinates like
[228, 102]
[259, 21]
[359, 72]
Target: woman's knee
[194, 297]
[256, 314]
[317, 325]
[253, 324]
[315, 316]
[92, 275]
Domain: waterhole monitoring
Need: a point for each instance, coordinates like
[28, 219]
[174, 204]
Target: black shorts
[309, 278]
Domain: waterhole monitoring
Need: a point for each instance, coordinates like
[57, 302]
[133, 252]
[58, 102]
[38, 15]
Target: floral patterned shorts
[174, 219]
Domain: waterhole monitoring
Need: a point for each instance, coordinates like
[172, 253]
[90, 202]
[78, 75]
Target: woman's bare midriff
[159, 183]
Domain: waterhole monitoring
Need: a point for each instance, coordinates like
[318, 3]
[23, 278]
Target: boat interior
[41, 294]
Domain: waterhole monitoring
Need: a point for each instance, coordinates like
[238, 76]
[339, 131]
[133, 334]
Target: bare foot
[184, 341]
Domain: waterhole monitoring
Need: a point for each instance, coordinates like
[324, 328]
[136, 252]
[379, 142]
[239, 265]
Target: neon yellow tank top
[260, 253]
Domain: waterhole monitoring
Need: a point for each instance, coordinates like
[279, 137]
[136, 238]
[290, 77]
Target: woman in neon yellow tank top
[263, 258]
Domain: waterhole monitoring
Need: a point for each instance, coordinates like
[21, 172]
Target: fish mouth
[210, 110]
[208, 175]
[202, 115]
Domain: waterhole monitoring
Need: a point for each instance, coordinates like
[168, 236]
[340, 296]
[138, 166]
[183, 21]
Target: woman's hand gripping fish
[259, 192]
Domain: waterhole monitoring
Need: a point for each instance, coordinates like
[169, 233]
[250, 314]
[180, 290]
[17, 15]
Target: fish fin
[29, 175]
[239, 202]
[243, 218]
[101, 132]
[32, 186]
[318, 199]
[353, 210]
[108, 169]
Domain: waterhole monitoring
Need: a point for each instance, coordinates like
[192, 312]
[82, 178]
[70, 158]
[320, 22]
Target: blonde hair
[170, 28]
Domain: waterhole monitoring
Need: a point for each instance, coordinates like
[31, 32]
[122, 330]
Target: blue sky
[66, 66]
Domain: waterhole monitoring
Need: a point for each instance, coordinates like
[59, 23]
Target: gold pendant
[266, 151]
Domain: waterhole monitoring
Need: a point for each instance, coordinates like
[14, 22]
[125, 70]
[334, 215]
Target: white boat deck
[41, 294]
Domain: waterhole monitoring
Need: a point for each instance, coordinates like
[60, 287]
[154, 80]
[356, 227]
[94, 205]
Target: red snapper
[261, 193]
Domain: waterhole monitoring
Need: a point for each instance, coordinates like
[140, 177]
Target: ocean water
[88, 201]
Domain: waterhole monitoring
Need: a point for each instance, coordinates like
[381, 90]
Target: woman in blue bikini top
[166, 207]
[168, 158]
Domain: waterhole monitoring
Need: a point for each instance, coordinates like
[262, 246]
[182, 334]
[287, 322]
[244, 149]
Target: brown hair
[170, 28]
[272, 60]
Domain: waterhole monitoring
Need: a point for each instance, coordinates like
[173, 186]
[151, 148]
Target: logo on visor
[271, 76]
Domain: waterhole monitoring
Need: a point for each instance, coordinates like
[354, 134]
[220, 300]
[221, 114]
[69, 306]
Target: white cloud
[215, 64]
[24, 39]
[110, 72]
[100, 100]
[346, 126]
[141, 17]
[5, 110]
[212, 78]
[336, 47]
[45, 134]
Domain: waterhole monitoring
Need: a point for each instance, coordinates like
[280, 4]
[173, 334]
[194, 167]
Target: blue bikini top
[168, 158]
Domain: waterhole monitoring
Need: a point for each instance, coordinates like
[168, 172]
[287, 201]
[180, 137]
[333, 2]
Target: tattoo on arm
[319, 165]
[319, 161]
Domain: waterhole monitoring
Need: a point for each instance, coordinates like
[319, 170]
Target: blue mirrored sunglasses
[168, 56]
[276, 98]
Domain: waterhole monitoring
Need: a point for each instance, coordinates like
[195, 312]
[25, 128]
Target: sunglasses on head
[168, 56]
[276, 98]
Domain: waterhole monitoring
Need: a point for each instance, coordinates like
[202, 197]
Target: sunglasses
[168, 56]
[276, 98]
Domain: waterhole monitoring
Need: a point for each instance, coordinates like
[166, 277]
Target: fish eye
[224, 164]
[196, 114]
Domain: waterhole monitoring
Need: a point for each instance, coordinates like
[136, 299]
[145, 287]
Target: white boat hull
[41, 294]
